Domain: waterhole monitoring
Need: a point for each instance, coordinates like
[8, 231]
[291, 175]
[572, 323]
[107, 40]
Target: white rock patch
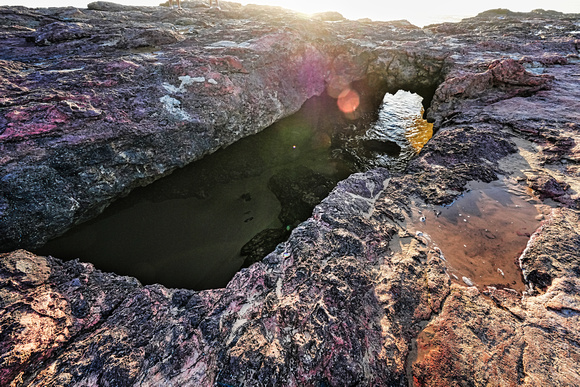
[186, 80]
[173, 106]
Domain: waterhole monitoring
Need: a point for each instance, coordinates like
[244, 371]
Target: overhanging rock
[354, 297]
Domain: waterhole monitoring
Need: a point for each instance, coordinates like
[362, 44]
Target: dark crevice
[519, 318]
[565, 312]
[390, 148]
[247, 197]
[521, 369]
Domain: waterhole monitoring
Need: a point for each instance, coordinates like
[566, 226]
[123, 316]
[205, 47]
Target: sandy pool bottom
[482, 234]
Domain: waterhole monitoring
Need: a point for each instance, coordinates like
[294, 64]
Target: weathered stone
[46, 304]
[553, 250]
[206, 89]
[57, 32]
[472, 340]
[353, 290]
[504, 79]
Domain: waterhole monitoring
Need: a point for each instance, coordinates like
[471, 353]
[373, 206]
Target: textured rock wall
[110, 100]
[355, 296]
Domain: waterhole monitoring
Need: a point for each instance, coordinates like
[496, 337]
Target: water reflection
[188, 229]
[482, 234]
[398, 134]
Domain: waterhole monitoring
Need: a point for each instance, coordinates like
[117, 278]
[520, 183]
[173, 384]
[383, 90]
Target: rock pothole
[197, 227]
[481, 234]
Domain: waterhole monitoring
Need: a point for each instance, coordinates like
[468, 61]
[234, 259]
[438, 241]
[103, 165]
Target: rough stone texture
[46, 304]
[510, 340]
[354, 297]
[98, 101]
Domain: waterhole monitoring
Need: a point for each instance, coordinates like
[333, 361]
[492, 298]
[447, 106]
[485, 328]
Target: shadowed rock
[355, 296]
[299, 189]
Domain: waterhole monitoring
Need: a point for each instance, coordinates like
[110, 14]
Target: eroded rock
[347, 297]
[116, 76]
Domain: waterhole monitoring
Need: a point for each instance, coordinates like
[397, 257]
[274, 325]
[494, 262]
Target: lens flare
[348, 101]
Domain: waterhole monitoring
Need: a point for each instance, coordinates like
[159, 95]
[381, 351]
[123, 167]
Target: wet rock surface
[353, 297]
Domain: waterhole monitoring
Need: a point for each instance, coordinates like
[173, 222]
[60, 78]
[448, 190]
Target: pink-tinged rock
[352, 293]
[180, 92]
[472, 339]
[511, 72]
[39, 316]
[15, 131]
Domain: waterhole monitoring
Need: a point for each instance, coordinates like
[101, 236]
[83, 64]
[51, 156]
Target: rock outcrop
[97, 101]
[142, 91]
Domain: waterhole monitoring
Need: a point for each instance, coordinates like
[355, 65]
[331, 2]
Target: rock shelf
[95, 102]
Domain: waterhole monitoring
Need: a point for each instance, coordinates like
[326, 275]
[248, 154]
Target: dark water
[188, 229]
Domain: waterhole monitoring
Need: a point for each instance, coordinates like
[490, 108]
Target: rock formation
[97, 101]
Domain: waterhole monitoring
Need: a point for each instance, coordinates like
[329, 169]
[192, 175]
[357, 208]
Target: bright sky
[419, 12]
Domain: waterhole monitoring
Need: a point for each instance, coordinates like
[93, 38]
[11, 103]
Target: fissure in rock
[198, 226]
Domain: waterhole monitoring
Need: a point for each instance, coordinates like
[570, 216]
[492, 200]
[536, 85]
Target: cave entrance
[198, 226]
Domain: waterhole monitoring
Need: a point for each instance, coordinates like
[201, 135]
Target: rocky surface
[143, 91]
[95, 102]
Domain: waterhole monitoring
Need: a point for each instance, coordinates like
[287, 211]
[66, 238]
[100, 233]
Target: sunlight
[418, 12]
[349, 9]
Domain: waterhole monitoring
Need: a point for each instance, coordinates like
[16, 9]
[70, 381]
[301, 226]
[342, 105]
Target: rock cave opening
[198, 226]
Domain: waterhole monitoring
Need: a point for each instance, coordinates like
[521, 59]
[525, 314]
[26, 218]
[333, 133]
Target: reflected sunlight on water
[400, 122]
[419, 132]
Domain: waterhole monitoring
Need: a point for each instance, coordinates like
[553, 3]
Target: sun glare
[419, 12]
[348, 101]
[349, 9]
